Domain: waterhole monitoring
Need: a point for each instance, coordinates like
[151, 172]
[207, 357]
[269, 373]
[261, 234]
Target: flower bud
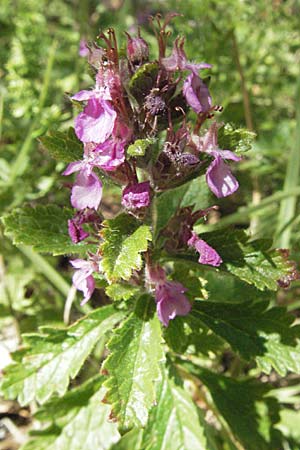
[137, 50]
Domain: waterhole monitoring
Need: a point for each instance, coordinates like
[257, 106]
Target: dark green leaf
[244, 405]
[63, 146]
[253, 262]
[45, 228]
[255, 332]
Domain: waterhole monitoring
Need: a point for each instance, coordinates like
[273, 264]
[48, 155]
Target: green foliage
[121, 291]
[244, 405]
[237, 139]
[134, 366]
[78, 420]
[255, 332]
[252, 261]
[63, 146]
[43, 227]
[124, 241]
[48, 360]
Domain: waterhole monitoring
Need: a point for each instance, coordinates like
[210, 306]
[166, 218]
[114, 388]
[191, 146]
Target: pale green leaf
[124, 241]
[139, 147]
[134, 365]
[48, 361]
[174, 423]
[79, 420]
[45, 228]
[121, 291]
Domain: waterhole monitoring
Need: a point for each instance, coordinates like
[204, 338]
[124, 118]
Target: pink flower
[218, 175]
[208, 255]
[197, 94]
[83, 279]
[169, 296]
[96, 122]
[136, 196]
[110, 154]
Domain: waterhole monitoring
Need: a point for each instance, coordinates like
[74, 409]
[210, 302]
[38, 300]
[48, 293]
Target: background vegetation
[254, 47]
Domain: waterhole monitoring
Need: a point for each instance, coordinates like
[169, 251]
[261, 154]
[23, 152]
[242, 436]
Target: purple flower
[83, 48]
[178, 60]
[76, 232]
[197, 94]
[83, 279]
[218, 175]
[136, 196]
[208, 255]
[96, 122]
[169, 296]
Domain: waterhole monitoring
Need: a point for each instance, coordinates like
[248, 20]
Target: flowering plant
[176, 296]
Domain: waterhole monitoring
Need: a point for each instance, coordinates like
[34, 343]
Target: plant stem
[288, 205]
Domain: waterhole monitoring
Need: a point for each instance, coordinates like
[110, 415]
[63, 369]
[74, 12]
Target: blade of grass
[288, 205]
[19, 164]
[242, 215]
[46, 269]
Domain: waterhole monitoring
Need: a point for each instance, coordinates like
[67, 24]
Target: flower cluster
[135, 99]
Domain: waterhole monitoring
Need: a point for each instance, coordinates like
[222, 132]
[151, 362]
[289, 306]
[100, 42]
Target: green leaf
[250, 414]
[254, 331]
[139, 147]
[45, 228]
[121, 291]
[253, 262]
[49, 360]
[166, 205]
[174, 423]
[63, 146]
[238, 139]
[79, 420]
[133, 365]
[124, 241]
